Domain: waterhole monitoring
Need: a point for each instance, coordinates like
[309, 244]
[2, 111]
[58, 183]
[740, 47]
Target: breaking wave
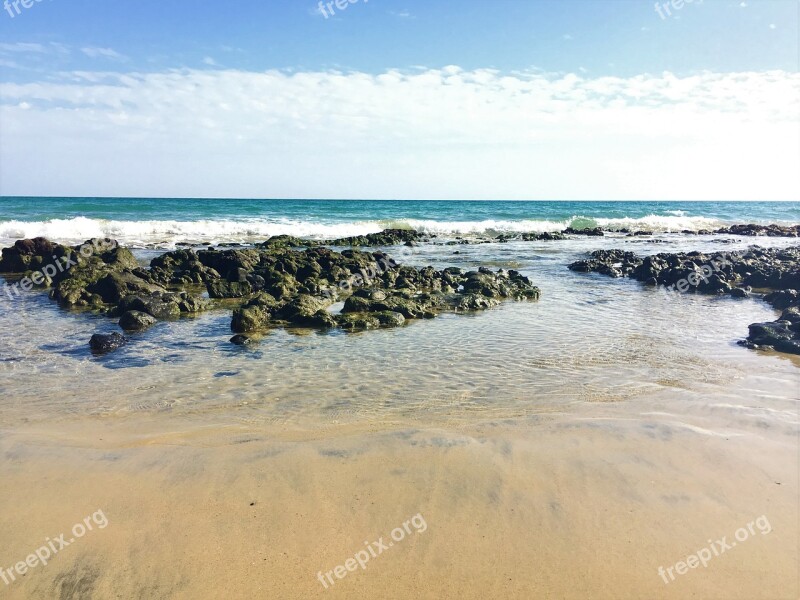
[168, 233]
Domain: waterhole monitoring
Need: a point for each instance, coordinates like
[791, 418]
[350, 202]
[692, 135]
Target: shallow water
[561, 448]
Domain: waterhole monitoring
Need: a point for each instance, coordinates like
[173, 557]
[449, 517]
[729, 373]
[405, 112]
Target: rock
[390, 319]
[783, 299]
[765, 334]
[300, 308]
[250, 318]
[114, 286]
[242, 340]
[285, 241]
[357, 322]
[322, 319]
[191, 304]
[280, 284]
[761, 230]
[133, 320]
[31, 255]
[593, 232]
[103, 344]
[387, 237]
[788, 346]
[220, 288]
[735, 273]
[781, 335]
[255, 314]
[161, 305]
[357, 304]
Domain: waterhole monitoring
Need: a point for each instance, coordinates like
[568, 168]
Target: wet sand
[581, 504]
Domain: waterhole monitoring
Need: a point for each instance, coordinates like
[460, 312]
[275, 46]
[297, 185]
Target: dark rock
[592, 232]
[301, 309]
[357, 322]
[133, 320]
[255, 314]
[161, 305]
[285, 241]
[115, 285]
[220, 288]
[388, 237]
[735, 273]
[103, 344]
[761, 230]
[242, 340]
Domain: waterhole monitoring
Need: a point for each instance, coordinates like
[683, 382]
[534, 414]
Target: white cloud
[432, 133]
[22, 47]
[209, 61]
[93, 52]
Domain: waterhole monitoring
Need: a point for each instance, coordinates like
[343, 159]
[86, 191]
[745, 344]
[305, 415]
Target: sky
[393, 99]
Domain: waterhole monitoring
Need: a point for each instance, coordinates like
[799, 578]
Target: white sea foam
[167, 233]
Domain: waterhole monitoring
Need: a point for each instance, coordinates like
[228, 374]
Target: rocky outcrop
[387, 237]
[546, 236]
[589, 231]
[762, 230]
[101, 275]
[715, 273]
[736, 274]
[282, 285]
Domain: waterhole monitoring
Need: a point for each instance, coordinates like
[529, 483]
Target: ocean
[164, 222]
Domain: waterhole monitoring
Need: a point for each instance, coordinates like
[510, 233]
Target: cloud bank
[425, 133]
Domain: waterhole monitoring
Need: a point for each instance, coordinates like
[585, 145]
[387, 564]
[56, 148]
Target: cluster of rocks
[782, 335]
[546, 236]
[388, 299]
[387, 237]
[762, 230]
[736, 273]
[277, 283]
[99, 274]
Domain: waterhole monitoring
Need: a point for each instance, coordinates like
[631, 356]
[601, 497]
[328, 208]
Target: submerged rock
[242, 340]
[103, 344]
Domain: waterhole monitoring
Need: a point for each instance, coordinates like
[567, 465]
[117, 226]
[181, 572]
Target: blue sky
[605, 37]
[158, 85]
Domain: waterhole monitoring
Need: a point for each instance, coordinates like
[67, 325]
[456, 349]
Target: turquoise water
[39, 209]
[165, 222]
